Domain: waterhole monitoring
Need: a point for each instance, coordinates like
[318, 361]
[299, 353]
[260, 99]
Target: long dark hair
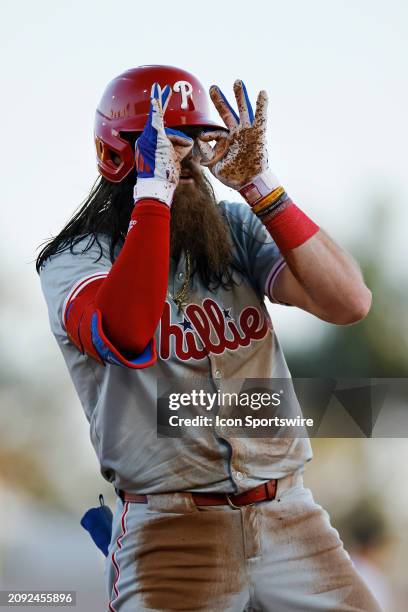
[107, 210]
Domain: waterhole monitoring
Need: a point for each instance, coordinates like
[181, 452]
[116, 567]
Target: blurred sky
[335, 73]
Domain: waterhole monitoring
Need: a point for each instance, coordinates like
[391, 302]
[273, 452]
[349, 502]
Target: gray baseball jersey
[220, 335]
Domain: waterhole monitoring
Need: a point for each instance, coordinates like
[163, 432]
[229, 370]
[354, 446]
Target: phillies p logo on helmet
[185, 89]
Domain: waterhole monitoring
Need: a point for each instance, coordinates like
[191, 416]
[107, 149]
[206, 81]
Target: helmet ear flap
[101, 150]
[114, 154]
[106, 155]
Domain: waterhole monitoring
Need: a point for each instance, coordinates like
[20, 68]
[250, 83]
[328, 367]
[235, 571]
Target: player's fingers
[225, 110]
[214, 135]
[217, 152]
[182, 151]
[246, 114]
[182, 144]
[203, 151]
[261, 112]
[157, 116]
[197, 153]
[153, 110]
[155, 95]
[159, 99]
[179, 137]
[165, 97]
[221, 145]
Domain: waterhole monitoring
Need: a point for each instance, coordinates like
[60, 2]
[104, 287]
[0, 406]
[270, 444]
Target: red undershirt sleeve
[114, 319]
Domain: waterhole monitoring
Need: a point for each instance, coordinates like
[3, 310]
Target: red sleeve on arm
[120, 313]
[131, 298]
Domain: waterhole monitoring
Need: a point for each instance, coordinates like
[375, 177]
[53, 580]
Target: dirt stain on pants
[281, 555]
[192, 561]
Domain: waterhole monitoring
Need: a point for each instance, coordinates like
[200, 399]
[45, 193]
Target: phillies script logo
[209, 329]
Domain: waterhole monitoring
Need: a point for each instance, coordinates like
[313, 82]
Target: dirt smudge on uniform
[296, 527]
[190, 561]
[296, 534]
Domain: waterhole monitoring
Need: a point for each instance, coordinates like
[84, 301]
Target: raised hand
[240, 154]
[159, 152]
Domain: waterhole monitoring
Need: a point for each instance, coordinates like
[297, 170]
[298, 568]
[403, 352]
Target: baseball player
[153, 278]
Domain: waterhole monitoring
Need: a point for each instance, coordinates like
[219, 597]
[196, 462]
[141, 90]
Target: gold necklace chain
[180, 298]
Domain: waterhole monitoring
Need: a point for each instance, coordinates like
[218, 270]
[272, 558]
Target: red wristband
[290, 228]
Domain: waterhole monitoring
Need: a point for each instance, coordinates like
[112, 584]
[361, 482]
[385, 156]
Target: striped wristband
[260, 186]
[285, 222]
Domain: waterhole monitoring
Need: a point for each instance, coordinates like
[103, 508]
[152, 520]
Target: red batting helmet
[124, 107]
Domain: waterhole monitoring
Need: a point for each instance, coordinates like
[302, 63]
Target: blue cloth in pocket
[98, 522]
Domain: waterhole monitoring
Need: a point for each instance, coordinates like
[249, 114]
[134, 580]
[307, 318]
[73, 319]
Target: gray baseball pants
[281, 556]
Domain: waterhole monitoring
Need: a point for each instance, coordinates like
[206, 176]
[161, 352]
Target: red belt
[263, 492]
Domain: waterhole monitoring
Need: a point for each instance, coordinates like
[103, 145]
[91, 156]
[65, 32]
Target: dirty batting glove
[158, 152]
[239, 158]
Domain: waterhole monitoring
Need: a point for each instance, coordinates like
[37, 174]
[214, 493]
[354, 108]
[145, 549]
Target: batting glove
[239, 158]
[159, 151]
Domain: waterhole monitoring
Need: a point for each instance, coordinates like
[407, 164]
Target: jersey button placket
[216, 371]
[216, 375]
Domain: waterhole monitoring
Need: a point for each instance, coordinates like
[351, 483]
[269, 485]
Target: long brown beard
[198, 226]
